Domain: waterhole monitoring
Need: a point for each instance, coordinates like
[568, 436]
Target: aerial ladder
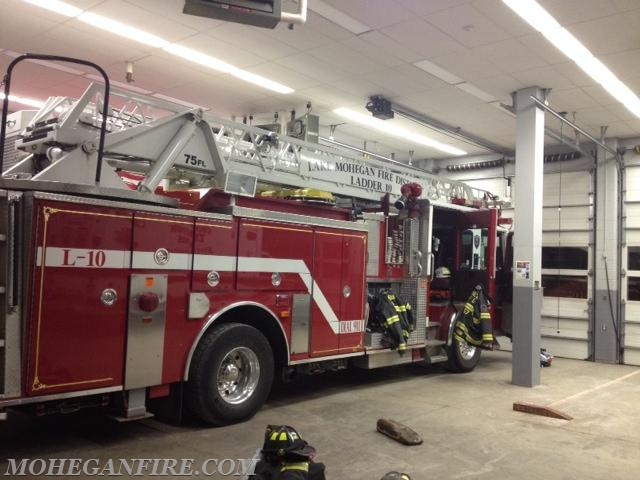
[190, 148]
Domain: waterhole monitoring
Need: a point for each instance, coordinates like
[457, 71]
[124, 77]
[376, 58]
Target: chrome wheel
[466, 350]
[238, 375]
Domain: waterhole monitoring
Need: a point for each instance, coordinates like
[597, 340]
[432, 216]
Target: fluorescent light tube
[57, 7]
[31, 102]
[126, 31]
[536, 16]
[339, 18]
[260, 81]
[388, 127]
[438, 72]
[199, 58]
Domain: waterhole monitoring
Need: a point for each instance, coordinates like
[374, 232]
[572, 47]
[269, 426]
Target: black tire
[231, 374]
[462, 357]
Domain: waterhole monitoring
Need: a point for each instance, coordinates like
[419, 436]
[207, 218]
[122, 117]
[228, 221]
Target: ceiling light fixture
[57, 7]
[438, 72]
[31, 102]
[123, 30]
[536, 16]
[339, 18]
[135, 34]
[386, 126]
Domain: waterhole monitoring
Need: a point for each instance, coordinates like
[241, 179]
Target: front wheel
[463, 357]
[231, 374]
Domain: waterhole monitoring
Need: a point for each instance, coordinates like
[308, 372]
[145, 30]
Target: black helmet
[285, 442]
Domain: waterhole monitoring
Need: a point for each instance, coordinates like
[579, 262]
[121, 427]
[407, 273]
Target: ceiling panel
[341, 56]
[249, 39]
[172, 9]
[404, 79]
[468, 65]
[597, 34]
[571, 99]
[569, 12]
[499, 86]
[544, 77]
[375, 13]
[423, 38]
[313, 67]
[423, 8]
[502, 16]
[384, 46]
[508, 56]
[468, 25]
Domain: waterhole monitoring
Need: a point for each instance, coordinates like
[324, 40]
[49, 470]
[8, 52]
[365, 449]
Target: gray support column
[605, 263]
[527, 253]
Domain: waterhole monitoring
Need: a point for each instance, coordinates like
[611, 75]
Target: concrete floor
[467, 422]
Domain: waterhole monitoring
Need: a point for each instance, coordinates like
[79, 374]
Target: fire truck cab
[140, 261]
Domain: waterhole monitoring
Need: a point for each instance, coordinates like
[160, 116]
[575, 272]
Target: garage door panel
[565, 239]
[632, 184]
[633, 216]
[565, 348]
[632, 334]
[567, 188]
[565, 327]
[632, 356]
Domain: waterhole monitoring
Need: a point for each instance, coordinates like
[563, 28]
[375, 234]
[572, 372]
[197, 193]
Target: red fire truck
[122, 283]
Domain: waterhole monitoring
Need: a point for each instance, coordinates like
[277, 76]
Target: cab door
[476, 259]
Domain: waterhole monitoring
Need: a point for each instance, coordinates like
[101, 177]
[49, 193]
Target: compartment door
[352, 304]
[81, 256]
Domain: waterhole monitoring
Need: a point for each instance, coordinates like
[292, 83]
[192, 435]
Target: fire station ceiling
[452, 60]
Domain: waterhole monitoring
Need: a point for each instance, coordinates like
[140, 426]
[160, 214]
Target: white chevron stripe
[78, 258]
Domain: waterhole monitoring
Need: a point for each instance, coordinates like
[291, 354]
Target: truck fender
[226, 310]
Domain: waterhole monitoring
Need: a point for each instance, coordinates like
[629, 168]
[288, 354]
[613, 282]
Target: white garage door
[566, 260]
[631, 263]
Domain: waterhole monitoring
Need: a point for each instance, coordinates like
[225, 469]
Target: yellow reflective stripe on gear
[302, 466]
[283, 436]
[476, 321]
[487, 337]
[485, 315]
[469, 340]
[402, 346]
[274, 436]
[392, 320]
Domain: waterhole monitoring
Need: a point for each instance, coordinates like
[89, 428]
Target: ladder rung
[435, 343]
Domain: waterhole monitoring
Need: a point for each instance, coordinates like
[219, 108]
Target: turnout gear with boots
[286, 456]
[475, 327]
[395, 316]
